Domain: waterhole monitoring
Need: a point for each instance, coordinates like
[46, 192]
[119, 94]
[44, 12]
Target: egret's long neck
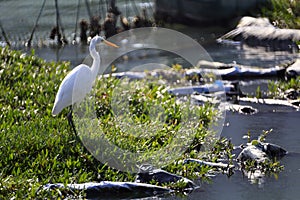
[96, 61]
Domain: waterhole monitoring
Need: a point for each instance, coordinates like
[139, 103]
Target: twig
[76, 24]
[135, 7]
[88, 9]
[59, 25]
[101, 9]
[4, 34]
[35, 25]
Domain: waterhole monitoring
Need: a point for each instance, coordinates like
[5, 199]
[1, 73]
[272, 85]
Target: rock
[274, 102]
[291, 94]
[261, 152]
[214, 65]
[252, 152]
[272, 150]
[259, 32]
[112, 190]
[252, 21]
[230, 71]
[219, 165]
[296, 103]
[235, 71]
[148, 173]
[129, 75]
[217, 86]
[247, 110]
[181, 91]
[209, 98]
[241, 109]
[293, 70]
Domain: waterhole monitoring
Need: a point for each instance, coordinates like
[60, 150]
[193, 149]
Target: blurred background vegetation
[283, 13]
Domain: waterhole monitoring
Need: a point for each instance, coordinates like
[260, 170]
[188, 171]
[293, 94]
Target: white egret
[79, 81]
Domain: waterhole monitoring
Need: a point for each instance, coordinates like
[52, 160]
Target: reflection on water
[249, 56]
[220, 53]
[18, 27]
[19, 16]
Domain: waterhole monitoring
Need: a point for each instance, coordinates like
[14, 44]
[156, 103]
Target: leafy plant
[258, 92]
[277, 89]
[283, 13]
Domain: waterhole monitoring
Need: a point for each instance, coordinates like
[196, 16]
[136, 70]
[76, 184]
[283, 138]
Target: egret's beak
[110, 44]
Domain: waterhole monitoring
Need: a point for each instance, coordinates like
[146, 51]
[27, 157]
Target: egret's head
[97, 39]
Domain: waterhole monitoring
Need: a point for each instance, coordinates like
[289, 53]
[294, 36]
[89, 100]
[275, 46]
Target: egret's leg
[71, 122]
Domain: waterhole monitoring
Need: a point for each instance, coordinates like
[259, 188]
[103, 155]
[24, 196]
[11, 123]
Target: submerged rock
[278, 102]
[253, 153]
[291, 94]
[148, 173]
[261, 152]
[296, 103]
[272, 150]
[233, 72]
[112, 190]
[214, 98]
[242, 109]
[215, 87]
[219, 165]
[293, 70]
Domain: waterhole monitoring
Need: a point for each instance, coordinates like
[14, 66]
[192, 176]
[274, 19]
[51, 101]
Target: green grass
[37, 148]
[283, 13]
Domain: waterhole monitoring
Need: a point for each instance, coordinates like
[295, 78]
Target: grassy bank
[283, 13]
[37, 148]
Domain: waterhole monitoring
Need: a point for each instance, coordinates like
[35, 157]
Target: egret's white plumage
[79, 81]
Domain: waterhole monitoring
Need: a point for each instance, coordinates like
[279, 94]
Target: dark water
[286, 133]
[284, 122]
